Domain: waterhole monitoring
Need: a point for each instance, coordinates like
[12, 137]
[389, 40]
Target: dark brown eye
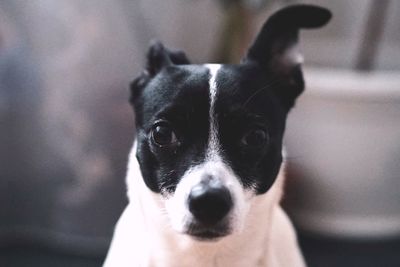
[163, 135]
[255, 138]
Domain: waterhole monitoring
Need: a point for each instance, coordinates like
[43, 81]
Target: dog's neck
[167, 247]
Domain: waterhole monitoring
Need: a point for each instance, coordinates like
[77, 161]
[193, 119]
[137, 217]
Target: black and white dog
[204, 180]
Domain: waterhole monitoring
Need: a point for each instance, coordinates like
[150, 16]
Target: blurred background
[66, 126]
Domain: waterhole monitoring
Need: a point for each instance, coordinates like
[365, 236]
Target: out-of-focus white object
[343, 142]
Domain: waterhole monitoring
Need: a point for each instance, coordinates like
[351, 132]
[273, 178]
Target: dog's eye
[255, 138]
[163, 135]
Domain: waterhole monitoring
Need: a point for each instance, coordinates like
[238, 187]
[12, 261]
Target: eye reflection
[255, 138]
[162, 135]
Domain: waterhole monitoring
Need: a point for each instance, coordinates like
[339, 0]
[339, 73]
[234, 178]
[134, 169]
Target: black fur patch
[256, 94]
[180, 96]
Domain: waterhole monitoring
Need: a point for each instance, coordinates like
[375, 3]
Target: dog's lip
[204, 234]
[207, 236]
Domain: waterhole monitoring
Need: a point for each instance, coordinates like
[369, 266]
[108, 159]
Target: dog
[205, 171]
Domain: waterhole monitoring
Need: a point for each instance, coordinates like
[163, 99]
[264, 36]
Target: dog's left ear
[276, 47]
[158, 57]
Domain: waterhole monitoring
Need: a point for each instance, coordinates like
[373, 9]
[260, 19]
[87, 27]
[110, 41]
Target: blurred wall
[66, 126]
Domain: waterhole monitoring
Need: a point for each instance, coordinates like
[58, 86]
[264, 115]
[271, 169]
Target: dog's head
[209, 137]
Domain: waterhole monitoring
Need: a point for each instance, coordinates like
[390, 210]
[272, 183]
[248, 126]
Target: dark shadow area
[328, 252]
[28, 256]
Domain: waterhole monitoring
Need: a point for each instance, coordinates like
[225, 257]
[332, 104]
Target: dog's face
[209, 137]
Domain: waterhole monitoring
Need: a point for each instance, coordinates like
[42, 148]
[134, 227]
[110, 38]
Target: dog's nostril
[209, 203]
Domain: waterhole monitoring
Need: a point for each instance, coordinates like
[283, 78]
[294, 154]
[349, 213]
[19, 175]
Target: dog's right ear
[276, 47]
[158, 57]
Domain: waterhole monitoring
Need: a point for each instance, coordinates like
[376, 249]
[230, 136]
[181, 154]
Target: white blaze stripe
[213, 143]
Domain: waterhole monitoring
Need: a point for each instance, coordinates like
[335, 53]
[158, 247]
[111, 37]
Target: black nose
[210, 202]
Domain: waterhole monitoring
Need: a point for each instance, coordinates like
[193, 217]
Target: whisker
[271, 83]
[167, 188]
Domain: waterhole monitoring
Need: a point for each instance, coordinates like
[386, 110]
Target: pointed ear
[276, 46]
[158, 57]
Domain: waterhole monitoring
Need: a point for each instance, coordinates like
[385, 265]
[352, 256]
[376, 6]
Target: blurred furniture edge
[344, 154]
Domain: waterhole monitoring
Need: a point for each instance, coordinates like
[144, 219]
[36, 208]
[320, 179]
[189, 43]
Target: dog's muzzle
[209, 202]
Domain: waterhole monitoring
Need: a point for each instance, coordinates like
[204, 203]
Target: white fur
[213, 142]
[176, 205]
[144, 236]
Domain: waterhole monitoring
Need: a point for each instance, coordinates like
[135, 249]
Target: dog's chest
[224, 257]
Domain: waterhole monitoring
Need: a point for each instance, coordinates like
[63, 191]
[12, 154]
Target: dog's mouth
[208, 234]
